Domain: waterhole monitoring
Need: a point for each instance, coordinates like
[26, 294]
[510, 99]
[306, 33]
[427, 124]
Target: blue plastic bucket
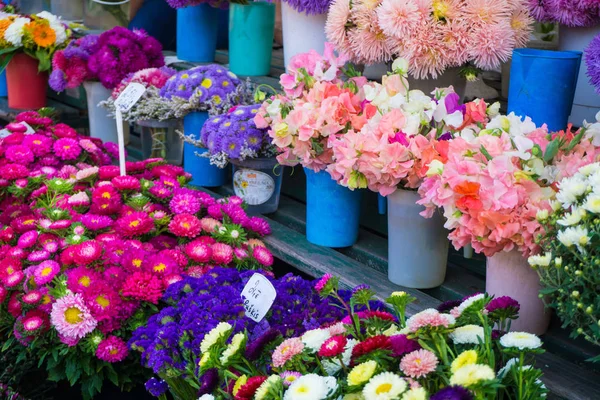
[542, 85]
[203, 174]
[197, 29]
[223, 31]
[3, 87]
[332, 211]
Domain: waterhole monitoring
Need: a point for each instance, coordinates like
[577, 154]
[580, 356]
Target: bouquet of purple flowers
[310, 7]
[572, 13]
[108, 57]
[234, 136]
[190, 3]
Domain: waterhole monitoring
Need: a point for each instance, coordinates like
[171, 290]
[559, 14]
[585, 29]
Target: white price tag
[29, 130]
[121, 140]
[129, 96]
[172, 60]
[258, 297]
[4, 133]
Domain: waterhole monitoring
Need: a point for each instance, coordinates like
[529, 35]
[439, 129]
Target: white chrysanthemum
[385, 386]
[315, 338]
[415, 394]
[221, 330]
[14, 33]
[206, 397]
[521, 340]
[333, 366]
[468, 334]
[311, 387]
[263, 390]
[540, 261]
[509, 364]
[574, 236]
[592, 203]
[572, 218]
[472, 374]
[469, 302]
[570, 189]
[234, 347]
[589, 169]
[61, 32]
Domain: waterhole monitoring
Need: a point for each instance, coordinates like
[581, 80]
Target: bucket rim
[550, 54]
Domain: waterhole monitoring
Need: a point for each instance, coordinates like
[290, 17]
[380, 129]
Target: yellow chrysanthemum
[239, 383]
[362, 373]
[415, 394]
[465, 358]
[470, 375]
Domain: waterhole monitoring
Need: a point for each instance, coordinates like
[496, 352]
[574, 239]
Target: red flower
[333, 347]
[247, 391]
[371, 344]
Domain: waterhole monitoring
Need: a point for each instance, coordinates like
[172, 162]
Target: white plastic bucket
[301, 32]
[102, 126]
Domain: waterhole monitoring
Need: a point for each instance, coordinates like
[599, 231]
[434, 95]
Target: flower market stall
[261, 223]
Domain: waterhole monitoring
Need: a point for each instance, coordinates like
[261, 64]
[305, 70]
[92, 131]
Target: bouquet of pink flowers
[500, 178]
[432, 36]
[318, 107]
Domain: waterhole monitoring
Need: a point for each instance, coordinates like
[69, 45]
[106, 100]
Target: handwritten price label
[258, 297]
[129, 96]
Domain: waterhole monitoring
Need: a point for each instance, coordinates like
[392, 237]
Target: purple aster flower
[232, 145]
[360, 287]
[503, 303]
[208, 381]
[310, 7]
[258, 226]
[156, 387]
[452, 393]
[58, 81]
[402, 345]
[446, 306]
[592, 60]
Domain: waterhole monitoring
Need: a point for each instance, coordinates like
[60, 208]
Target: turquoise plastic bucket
[3, 87]
[332, 211]
[251, 30]
[542, 85]
[223, 30]
[197, 28]
[203, 173]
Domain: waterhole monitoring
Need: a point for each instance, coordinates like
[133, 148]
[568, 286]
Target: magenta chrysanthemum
[185, 225]
[102, 301]
[67, 149]
[81, 278]
[13, 171]
[112, 350]
[39, 144]
[162, 265]
[184, 203]
[19, 154]
[143, 286]
[126, 183]
[258, 226]
[71, 318]
[87, 252]
[198, 251]
[135, 224]
[222, 254]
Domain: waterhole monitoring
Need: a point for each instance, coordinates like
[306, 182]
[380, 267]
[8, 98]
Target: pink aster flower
[108, 172]
[13, 171]
[240, 253]
[222, 254]
[135, 224]
[38, 255]
[333, 347]
[198, 251]
[33, 297]
[258, 226]
[161, 191]
[102, 300]
[13, 279]
[81, 278]
[126, 183]
[34, 321]
[112, 350]
[96, 222]
[322, 282]
[288, 377]
[14, 306]
[429, 318]
[3, 294]
[19, 154]
[143, 286]
[171, 279]
[263, 256]
[60, 224]
[71, 318]
[184, 203]
[79, 199]
[67, 149]
[286, 350]
[185, 225]
[27, 239]
[419, 363]
[161, 264]
[87, 252]
[209, 225]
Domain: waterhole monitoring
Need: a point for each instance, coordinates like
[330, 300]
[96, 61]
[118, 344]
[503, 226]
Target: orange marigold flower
[42, 34]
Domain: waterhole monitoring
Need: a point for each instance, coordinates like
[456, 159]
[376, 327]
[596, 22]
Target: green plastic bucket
[251, 30]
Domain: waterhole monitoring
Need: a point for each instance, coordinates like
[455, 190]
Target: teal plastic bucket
[332, 211]
[197, 30]
[3, 87]
[251, 30]
[542, 85]
[223, 30]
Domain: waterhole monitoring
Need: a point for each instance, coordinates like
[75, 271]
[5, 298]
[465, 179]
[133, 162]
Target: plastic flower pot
[586, 102]
[251, 30]
[258, 182]
[450, 77]
[102, 125]
[417, 246]
[542, 85]
[332, 211]
[509, 274]
[3, 87]
[203, 173]
[160, 139]
[223, 29]
[26, 86]
[197, 31]
[101, 16]
[301, 32]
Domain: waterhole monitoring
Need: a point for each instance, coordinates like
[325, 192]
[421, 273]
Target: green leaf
[44, 59]
[112, 375]
[485, 153]
[551, 150]
[576, 140]
[8, 50]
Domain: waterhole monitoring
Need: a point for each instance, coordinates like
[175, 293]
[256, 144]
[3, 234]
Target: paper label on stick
[258, 297]
[4, 133]
[129, 96]
[29, 130]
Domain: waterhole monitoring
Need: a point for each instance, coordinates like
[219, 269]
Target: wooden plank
[568, 380]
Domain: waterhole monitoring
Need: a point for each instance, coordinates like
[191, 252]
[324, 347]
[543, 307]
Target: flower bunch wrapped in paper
[151, 106]
[88, 253]
[317, 107]
[38, 36]
[500, 173]
[109, 58]
[234, 135]
[432, 36]
[375, 354]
